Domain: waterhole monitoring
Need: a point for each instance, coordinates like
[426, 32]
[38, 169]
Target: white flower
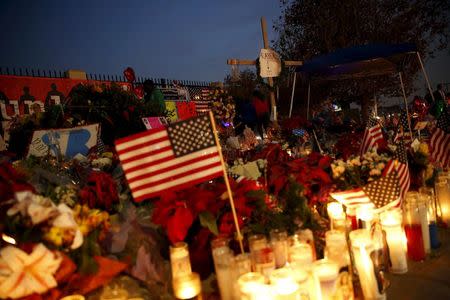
[356, 161]
[22, 274]
[102, 162]
[381, 166]
[38, 208]
[375, 172]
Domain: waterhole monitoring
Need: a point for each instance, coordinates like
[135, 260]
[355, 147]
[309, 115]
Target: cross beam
[247, 62]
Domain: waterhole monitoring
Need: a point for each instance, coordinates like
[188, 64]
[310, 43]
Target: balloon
[420, 107]
[129, 75]
[139, 91]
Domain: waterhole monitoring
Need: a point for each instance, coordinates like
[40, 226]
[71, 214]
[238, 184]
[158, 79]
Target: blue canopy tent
[359, 62]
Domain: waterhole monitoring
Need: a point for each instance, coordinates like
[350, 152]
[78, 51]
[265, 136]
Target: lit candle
[187, 287]
[306, 236]
[396, 240]
[362, 246]
[279, 243]
[73, 297]
[241, 265]
[256, 243]
[300, 256]
[114, 293]
[284, 284]
[179, 260]
[336, 248]
[224, 273]
[443, 198]
[325, 274]
[365, 214]
[251, 285]
[335, 212]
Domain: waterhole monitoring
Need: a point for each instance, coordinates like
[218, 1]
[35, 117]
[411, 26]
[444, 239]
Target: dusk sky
[188, 40]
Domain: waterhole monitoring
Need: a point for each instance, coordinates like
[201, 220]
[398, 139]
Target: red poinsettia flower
[100, 191]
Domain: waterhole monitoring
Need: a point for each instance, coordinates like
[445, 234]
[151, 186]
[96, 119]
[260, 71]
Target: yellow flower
[423, 148]
[55, 236]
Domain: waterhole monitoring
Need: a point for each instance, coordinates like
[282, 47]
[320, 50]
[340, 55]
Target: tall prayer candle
[222, 256]
[395, 237]
[187, 287]
[251, 285]
[301, 256]
[279, 243]
[336, 248]
[365, 215]
[179, 260]
[335, 212]
[284, 284]
[325, 274]
[443, 198]
[362, 246]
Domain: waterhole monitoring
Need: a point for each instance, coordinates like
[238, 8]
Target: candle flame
[8, 239]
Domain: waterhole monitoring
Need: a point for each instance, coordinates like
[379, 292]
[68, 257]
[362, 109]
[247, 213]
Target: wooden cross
[247, 62]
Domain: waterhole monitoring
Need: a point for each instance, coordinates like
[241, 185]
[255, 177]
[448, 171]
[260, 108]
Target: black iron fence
[94, 76]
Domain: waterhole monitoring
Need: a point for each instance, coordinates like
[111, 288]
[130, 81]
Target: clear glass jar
[429, 195]
[250, 285]
[336, 248]
[223, 264]
[301, 256]
[279, 244]
[179, 260]
[365, 214]
[306, 236]
[284, 284]
[325, 273]
[443, 199]
[391, 221]
[241, 265]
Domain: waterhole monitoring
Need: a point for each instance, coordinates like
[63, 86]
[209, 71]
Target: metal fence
[94, 76]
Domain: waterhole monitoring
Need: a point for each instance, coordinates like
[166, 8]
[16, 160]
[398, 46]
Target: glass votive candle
[443, 200]
[391, 221]
[187, 287]
[179, 260]
[365, 214]
[73, 297]
[256, 242]
[223, 264]
[300, 256]
[284, 284]
[362, 247]
[279, 244]
[249, 284]
[306, 236]
[432, 214]
[326, 274]
[241, 265]
[264, 261]
[336, 248]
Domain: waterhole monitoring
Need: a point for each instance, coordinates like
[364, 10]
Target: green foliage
[84, 256]
[209, 221]
[291, 214]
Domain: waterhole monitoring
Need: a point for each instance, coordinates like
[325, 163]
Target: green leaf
[207, 220]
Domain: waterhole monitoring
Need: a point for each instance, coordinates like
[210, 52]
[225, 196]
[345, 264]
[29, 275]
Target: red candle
[416, 251]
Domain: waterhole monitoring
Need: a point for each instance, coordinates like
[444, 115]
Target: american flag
[440, 141]
[384, 193]
[170, 158]
[201, 97]
[399, 165]
[372, 135]
[403, 129]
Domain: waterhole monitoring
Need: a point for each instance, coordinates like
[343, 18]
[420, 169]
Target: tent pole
[406, 102]
[292, 94]
[309, 97]
[425, 75]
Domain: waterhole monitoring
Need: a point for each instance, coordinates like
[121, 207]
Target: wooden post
[273, 102]
[227, 183]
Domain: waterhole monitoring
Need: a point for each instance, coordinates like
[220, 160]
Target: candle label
[379, 267]
[181, 267]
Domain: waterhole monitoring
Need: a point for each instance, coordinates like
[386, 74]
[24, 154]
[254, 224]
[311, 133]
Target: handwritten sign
[68, 142]
[269, 63]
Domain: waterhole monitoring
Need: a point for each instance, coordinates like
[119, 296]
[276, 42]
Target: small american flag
[403, 129]
[384, 193]
[372, 135]
[170, 158]
[399, 165]
[201, 97]
[440, 141]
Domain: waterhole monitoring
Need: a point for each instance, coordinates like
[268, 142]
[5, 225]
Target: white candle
[335, 212]
[179, 260]
[443, 199]
[396, 240]
[284, 284]
[336, 248]
[252, 286]
[301, 256]
[365, 214]
[187, 287]
[279, 243]
[325, 274]
[423, 212]
[361, 247]
[223, 265]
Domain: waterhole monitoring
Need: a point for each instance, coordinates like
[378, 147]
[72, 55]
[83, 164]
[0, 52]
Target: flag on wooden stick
[440, 141]
[403, 130]
[384, 193]
[372, 135]
[399, 165]
[170, 158]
